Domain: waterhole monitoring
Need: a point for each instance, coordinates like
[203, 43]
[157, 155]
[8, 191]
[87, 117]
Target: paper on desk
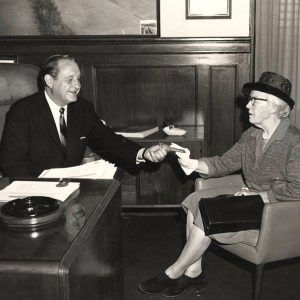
[21, 189]
[99, 169]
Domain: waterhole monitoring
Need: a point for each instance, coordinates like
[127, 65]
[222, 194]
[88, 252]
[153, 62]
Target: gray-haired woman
[268, 154]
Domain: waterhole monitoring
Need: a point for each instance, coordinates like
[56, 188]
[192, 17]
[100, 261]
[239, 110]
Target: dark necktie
[63, 130]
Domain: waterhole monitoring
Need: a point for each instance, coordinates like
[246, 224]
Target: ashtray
[30, 212]
[172, 130]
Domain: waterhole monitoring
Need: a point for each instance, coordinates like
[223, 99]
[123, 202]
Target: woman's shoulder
[293, 133]
[251, 132]
[294, 130]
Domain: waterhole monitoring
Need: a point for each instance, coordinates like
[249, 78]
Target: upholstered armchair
[279, 237]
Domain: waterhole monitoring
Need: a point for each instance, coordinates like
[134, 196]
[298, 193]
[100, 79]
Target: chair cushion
[17, 81]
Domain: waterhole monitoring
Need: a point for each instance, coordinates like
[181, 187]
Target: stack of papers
[99, 169]
[22, 189]
[137, 131]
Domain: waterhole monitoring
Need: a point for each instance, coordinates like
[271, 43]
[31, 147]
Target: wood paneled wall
[143, 81]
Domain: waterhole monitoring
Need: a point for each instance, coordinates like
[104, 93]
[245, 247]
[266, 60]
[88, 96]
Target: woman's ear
[273, 108]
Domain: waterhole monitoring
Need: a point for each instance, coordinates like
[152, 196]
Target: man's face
[66, 86]
[259, 108]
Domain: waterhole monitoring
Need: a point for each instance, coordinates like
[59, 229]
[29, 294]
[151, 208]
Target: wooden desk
[79, 258]
[163, 184]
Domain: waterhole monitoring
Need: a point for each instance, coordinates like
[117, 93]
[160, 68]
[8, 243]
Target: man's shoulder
[83, 101]
[27, 101]
[82, 104]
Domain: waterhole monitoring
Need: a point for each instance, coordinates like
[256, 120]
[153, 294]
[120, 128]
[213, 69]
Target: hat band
[262, 87]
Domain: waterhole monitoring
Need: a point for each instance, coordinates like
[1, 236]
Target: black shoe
[183, 283]
[156, 284]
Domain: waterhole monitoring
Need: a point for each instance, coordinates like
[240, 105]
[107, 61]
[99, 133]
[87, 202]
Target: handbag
[228, 213]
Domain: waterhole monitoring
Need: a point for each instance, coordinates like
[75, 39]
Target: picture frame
[87, 20]
[212, 9]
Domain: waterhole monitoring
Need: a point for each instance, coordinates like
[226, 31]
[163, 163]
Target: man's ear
[49, 80]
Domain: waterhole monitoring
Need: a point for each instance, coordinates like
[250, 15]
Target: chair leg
[258, 276]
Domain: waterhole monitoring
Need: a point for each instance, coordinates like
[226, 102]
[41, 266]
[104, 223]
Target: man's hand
[155, 153]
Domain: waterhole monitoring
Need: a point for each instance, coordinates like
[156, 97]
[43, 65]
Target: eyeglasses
[253, 99]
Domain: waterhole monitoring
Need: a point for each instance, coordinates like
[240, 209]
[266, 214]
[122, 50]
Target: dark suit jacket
[30, 142]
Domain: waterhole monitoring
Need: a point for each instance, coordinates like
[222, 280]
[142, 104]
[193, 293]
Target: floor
[151, 243]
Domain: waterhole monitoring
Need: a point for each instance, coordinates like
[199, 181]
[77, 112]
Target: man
[52, 128]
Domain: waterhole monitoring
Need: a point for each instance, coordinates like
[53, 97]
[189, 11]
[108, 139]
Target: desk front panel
[79, 256]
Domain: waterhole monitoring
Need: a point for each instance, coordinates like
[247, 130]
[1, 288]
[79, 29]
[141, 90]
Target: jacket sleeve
[106, 143]
[15, 144]
[230, 161]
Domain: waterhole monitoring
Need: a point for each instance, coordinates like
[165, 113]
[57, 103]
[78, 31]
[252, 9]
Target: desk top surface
[51, 243]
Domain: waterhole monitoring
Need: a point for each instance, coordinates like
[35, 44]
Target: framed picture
[87, 18]
[208, 9]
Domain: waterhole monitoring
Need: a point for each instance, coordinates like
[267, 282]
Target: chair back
[16, 81]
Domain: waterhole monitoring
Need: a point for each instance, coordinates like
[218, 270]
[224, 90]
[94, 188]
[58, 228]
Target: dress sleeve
[230, 161]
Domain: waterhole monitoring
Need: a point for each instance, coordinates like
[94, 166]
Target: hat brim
[259, 86]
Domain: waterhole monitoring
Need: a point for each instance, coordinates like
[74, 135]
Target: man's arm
[110, 145]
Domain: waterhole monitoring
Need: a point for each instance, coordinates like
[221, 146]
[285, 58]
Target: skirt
[191, 203]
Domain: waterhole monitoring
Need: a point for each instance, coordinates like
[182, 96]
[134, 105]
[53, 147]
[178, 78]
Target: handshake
[158, 153]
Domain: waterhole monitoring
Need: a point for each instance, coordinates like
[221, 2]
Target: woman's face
[259, 108]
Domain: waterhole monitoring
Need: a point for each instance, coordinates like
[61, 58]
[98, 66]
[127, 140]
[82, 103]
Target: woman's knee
[189, 221]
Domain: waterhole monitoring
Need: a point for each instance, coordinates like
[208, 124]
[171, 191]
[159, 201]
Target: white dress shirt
[56, 114]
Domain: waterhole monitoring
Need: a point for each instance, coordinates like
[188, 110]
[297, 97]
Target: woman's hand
[187, 164]
[245, 192]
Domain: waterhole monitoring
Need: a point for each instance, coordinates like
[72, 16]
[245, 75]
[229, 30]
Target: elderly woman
[268, 154]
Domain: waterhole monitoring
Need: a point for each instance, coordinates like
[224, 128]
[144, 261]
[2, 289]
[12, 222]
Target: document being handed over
[99, 169]
[22, 189]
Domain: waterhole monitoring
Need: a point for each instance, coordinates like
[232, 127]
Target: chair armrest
[227, 180]
[280, 231]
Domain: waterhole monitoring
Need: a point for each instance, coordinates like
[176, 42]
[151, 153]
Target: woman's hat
[274, 84]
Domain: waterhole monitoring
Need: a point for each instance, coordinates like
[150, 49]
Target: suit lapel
[73, 126]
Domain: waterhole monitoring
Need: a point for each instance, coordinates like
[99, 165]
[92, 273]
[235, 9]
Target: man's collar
[52, 103]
